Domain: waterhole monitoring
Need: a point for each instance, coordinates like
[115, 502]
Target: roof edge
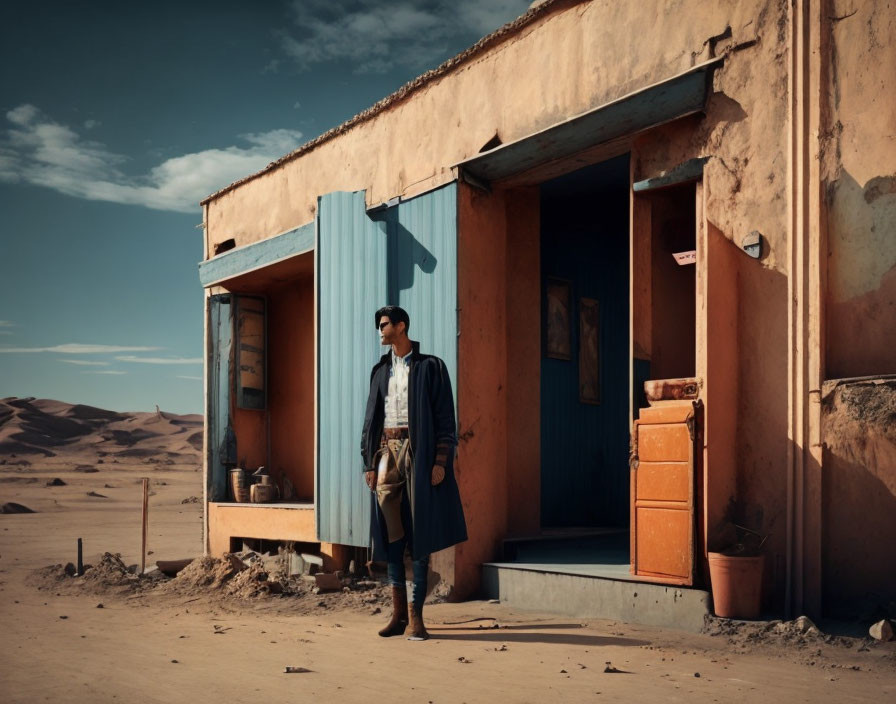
[489, 41]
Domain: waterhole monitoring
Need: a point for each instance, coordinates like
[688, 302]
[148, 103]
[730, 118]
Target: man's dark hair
[395, 315]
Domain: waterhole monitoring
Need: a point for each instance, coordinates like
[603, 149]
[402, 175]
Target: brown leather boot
[418, 630]
[399, 621]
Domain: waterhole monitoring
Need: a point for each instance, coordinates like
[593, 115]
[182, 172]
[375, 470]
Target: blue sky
[117, 118]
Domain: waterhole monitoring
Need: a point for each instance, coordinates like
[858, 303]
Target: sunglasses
[383, 326]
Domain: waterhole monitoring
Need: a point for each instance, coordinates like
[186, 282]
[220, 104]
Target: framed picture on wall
[557, 331]
[589, 350]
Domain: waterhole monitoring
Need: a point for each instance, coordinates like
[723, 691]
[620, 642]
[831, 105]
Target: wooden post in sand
[145, 509]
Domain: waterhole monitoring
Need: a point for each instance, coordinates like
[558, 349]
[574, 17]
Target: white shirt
[397, 395]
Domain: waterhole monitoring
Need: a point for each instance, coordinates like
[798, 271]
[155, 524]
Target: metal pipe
[145, 510]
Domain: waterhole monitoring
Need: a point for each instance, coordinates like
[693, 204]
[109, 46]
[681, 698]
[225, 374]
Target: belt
[395, 433]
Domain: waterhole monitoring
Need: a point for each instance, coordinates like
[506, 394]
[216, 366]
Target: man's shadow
[404, 255]
[518, 634]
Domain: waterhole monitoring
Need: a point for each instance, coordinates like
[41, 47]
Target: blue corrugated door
[405, 255]
[351, 280]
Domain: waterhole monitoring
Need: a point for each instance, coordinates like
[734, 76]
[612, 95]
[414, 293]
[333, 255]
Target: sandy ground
[167, 645]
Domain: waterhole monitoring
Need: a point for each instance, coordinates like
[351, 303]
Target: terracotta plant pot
[736, 585]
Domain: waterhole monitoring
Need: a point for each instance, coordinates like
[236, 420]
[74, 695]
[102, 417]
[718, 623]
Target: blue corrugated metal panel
[351, 278]
[681, 95]
[423, 270]
[254, 256]
[220, 334]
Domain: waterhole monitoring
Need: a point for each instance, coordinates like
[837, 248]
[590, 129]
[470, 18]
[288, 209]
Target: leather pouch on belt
[392, 472]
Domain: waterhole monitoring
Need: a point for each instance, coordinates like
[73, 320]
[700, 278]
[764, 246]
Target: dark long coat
[436, 511]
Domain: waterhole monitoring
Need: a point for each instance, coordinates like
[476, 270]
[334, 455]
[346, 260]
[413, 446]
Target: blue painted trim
[259, 254]
[218, 376]
[691, 170]
[684, 94]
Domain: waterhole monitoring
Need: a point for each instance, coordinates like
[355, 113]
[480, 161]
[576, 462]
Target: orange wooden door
[664, 492]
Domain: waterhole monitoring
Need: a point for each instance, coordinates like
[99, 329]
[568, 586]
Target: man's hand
[438, 474]
[370, 478]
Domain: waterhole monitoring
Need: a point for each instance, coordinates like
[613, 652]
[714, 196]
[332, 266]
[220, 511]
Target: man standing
[408, 445]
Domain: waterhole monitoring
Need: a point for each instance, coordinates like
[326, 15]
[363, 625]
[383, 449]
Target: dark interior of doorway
[585, 388]
[585, 245]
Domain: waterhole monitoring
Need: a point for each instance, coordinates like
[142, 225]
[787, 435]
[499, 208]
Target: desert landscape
[242, 629]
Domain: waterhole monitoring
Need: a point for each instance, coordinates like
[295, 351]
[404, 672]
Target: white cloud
[85, 362]
[39, 151]
[160, 360]
[77, 348]
[90, 124]
[378, 36]
[184, 376]
[106, 371]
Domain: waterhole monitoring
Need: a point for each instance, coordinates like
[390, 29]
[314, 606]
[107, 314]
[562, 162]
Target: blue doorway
[585, 386]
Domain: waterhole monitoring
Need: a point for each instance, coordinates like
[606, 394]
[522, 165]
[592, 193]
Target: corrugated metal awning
[681, 95]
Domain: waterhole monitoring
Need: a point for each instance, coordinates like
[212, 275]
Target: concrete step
[526, 547]
[566, 590]
[612, 545]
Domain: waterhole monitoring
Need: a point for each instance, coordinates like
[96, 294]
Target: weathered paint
[269, 522]
[665, 451]
[585, 57]
[675, 97]
[859, 498]
[220, 335]
[691, 170]
[351, 281]
[858, 161]
[482, 468]
[254, 256]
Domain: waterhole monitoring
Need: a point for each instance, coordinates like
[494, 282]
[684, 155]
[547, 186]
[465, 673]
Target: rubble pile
[239, 576]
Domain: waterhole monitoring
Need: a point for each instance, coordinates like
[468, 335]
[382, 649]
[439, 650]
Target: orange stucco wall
[859, 164]
[523, 321]
[672, 220]
[859, 496]
[858, 172]
[288, 444]
[226, 521]
[250, 427]
[574, 57]
[499, 358]
[482, 380]
[291, 384]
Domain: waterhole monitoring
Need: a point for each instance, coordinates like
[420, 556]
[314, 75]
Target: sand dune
[41, 428]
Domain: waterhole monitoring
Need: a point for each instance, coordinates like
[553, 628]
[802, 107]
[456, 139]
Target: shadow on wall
[762, 413]
[405, 253]
[859, 497]
[861, 306]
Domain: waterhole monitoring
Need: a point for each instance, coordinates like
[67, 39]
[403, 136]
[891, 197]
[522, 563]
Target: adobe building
[676, 213]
